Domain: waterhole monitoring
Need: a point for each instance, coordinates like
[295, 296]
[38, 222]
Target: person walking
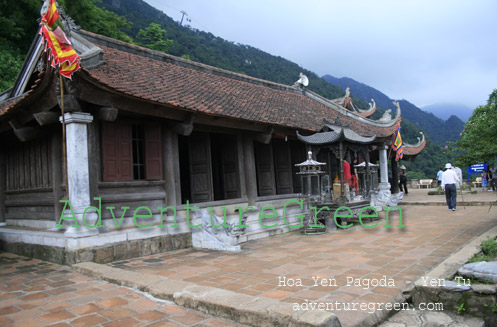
[439, 176]
[449, 181]
[403, 179]
[484, 180]
[492, 181]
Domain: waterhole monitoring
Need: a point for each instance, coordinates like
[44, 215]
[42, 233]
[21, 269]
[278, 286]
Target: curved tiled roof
[171, 81]
[415, 149]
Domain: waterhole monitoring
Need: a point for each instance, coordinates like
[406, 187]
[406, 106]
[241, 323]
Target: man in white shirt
[449, 181]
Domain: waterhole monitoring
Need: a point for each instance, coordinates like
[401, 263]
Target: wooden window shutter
[282, 167]
[153, 152]
[265, 169]
[117, 152]
[199, 152]
[298, 154]
[230, 168]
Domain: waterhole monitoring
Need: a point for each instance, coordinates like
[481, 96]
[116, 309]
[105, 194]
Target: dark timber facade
[156, 131]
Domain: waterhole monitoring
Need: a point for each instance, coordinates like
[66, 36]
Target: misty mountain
[439, 130]
[209, 49]
[445, 110]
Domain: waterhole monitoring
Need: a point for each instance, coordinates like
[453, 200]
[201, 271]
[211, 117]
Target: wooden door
[265, 169]
[282, 167]
[199, 152]
[229, 163]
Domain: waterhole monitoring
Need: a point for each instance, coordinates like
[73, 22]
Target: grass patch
[488, 252]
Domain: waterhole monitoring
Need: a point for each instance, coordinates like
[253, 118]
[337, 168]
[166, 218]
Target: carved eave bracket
[108, 114]
[184, 128]
[264, 137]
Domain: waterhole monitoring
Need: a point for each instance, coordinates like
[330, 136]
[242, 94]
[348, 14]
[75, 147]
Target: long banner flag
[57, 44]
[397, 144]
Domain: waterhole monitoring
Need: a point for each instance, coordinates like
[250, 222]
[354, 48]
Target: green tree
[478, 139]
[154, 37]
[18, 21]
[95, 19]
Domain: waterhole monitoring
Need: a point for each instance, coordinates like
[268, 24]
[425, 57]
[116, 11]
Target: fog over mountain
[445, 110]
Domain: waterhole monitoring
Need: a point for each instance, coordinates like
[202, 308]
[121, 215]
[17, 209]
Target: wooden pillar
[170, 162]
[3, 182]
[368, 174]
[250, 171]
[57, 173]
[342, 186]
[395, 175]
[241, 166]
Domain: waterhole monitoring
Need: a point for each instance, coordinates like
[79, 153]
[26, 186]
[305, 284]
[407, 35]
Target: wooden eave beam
[46, 117]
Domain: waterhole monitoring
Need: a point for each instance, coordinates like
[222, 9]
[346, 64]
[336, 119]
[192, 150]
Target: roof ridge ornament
[302, 82]
[372, 105]
[421, 140]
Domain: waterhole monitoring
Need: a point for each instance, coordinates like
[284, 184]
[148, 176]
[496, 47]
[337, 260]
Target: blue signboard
[476, 169]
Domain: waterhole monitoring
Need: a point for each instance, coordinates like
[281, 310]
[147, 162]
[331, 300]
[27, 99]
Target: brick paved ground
[431, 235]
[37, 293]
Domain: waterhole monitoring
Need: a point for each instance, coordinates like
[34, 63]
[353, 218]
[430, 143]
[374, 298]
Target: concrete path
[421, 197]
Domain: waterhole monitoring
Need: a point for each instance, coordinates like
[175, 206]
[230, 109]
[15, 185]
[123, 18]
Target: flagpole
[64, 143]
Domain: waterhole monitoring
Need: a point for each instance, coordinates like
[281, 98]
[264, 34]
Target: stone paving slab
[255, 311]
[424, 318]
[353, 264]
[38, 293]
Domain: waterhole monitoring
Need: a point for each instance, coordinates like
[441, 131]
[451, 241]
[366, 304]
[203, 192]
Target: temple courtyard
[360, 267]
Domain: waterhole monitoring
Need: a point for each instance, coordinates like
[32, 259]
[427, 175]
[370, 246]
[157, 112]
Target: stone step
[242, 308]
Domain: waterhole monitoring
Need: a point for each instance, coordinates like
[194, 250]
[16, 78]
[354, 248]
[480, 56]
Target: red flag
[57, 44]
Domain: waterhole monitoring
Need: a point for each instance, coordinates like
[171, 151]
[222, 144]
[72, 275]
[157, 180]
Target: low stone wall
[476, 300]
[100, 254]
[127, 241]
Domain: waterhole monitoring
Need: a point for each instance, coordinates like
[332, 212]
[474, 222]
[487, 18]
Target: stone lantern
[310, 172]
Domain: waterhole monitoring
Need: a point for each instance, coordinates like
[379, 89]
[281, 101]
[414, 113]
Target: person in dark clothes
[403, 180]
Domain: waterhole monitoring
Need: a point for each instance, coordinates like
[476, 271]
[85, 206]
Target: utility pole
[184, 13]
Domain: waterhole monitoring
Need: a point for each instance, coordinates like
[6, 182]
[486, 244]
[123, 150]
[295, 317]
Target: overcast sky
[424, 51]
